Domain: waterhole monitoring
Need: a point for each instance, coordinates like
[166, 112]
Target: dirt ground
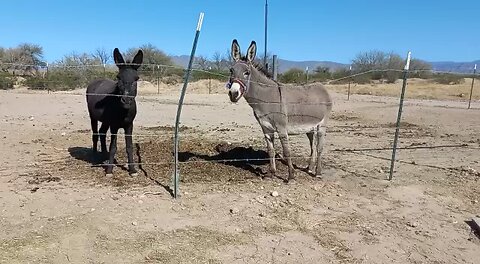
[57, 206]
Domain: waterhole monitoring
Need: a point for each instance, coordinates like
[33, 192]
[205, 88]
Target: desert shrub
[448, 78]
[6, 81]
[66, 79]
[292, 76]
[363, 78]
[211, 74]
[36, 83]
[320, 74]
[341, 73]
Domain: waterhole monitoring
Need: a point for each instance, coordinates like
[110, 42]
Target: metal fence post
[275, 67]
[46, 82]
[471, 89]
[306, 74]
[399, 117]
[349, 81]
[176, 173]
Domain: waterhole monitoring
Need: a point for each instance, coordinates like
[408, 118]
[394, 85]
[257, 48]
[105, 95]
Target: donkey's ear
[118, 58]
[252, 51]
[137, 60]
[236, 55]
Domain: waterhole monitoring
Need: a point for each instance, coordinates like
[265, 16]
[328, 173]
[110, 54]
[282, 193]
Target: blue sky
[297, 30]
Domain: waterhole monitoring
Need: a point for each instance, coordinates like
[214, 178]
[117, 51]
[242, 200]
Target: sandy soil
[58, 207]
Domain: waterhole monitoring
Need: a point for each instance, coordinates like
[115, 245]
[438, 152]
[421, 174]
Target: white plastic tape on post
[475, 67]
[200, 21]
[407, 66]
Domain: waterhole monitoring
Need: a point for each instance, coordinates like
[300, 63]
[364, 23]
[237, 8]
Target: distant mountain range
[450, 66]
[285, 65]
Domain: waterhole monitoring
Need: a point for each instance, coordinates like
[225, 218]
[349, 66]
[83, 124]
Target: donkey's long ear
[236, 55]
[118, 58]
[137, 60]
[252, 51]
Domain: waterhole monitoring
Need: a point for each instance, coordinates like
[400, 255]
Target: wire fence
[156, 72]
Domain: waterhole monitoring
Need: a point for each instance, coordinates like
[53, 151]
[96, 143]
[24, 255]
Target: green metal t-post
[399, 117]
[176, 173]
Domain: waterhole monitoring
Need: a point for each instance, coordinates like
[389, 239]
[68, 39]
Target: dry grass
[416, 88]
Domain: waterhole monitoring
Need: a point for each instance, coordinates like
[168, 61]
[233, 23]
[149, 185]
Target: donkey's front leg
[286, 152]
[113, 150]
[269, 137]
[129, 147]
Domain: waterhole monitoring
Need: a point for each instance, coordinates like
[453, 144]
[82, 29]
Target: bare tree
[369, 60]
[103, 55]
[78, 59]
[202, 63]
[217, 61]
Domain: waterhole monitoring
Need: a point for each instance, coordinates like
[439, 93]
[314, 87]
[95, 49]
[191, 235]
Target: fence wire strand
[169, 135]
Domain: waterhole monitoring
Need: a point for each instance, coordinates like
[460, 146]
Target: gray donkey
[113, 104]
[285, 109]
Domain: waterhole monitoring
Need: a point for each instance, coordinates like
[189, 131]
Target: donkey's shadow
[248, 159]
[89, 156]
[96, 159]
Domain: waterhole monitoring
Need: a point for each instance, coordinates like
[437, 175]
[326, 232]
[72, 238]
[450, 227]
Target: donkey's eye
[246, 73]
[231, 70]
[137, 78]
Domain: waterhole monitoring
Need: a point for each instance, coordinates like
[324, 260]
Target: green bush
[341, 73]
[66, 79]
[36, 83]
[211, 74]
[363, 78]
[448, 78]
[6, 81]
[293, 76]
[320, 74]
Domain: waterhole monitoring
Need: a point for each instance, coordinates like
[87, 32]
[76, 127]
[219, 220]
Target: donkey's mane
[259, 66]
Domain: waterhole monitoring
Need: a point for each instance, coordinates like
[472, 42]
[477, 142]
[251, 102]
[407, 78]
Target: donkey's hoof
[267, 177]
[290, 181]
[109, 175]
[134, 174]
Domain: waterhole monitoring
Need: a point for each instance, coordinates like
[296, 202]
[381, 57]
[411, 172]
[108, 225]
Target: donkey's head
[241, 71]
[127, 77]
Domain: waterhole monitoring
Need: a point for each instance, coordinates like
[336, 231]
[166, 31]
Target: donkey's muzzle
[234, 96]
[126, 101]
[236, 91]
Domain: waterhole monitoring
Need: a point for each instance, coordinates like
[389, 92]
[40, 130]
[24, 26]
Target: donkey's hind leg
[320, 142]
[312, 138]
[94, 134]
